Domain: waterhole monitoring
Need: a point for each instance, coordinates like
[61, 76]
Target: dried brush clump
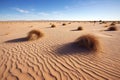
[79, 28]
[112, 28]
[112, 24]
[69, 23]
[53, 26]
[106, 26]
[88, 42]
[63, 24]
[34, 35]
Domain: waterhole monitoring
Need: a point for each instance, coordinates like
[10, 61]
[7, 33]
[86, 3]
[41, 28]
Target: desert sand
[54, 57]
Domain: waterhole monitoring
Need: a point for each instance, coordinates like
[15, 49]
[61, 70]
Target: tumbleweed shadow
[71, 48]
[17, 40]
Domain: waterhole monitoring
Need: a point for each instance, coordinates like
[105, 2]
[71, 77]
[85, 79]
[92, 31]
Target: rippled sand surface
[54, 57]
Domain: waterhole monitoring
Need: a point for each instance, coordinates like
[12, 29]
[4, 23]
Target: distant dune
[55, 56]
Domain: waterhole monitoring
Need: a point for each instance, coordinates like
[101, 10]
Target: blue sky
[59, 9]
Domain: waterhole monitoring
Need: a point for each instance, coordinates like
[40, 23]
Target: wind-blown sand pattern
[54, 56]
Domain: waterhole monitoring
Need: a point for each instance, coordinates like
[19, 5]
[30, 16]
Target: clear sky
[59, 9]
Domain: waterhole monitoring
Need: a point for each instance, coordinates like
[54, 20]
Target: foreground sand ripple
[23, 61]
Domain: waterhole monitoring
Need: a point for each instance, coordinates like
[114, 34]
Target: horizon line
[55, 20]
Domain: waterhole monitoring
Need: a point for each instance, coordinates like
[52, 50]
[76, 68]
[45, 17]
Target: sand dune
[55, 57]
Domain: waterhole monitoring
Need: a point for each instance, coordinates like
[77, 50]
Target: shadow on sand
[72, 48]
[110, 30]
[75, 30]
[17, 40]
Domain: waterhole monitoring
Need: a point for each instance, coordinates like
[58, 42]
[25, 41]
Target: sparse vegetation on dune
[112, 24]
[69, 23]
[105, 26]
[112, 28]
[79, 28]
[103, 22]
[118, 22]
[88, 42]
[34, 35]
[63, 24]
[53, 26]
[100, 21]
[94, 22]
[50, 23]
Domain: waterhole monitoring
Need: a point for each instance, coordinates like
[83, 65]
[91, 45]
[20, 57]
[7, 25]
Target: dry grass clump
[94, 22]
[112, 28]
[34, 35]
[63, 24]
[69, 23]
[100, 21]
[53, 26]
[88, 42]
[105, 26]
[112, 24]
[118, 22]
[50, 23]
[79, 28]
